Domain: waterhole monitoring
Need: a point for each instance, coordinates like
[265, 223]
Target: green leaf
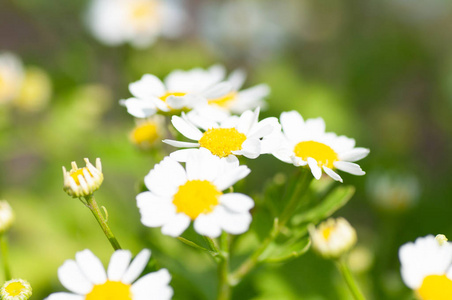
[289, 250]
[333, 201]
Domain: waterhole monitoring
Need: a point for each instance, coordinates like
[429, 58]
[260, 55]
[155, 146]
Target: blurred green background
[379, 71]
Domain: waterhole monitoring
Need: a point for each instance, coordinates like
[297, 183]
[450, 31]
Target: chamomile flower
[244, 135]
[6, 216]
[138, 22]
[147, 132]
[79, 182]
[236, 101]
[178, 196]
[426, 267]
[333, 237]
[11, 77]
[180, 90]
[16, 289]
[305, 143]
[86, 279]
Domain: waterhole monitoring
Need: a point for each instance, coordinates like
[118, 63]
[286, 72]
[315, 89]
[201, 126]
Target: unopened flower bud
[80, 182]
[6, 216]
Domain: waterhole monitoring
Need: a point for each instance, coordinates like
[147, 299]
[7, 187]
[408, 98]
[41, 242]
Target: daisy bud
[6, 216]
[16, 289]
[333, 238]
[147, 133]
[441, 239]
[81, 182]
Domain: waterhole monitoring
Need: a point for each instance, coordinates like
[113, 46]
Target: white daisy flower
[16, 289]
[80, 182]
[333, 237]
[179, 90]
[236, 101]
[11, 77]
[148, 132]
[138, 22]
[426, 267]
[178, 196]
[307, 143]
[6, 216]
[86, 279]
[244, 135]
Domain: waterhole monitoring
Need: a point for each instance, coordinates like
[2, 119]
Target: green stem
[294, 195]
[92, 205]
[5, 256]
[224, 287]
[348, 278]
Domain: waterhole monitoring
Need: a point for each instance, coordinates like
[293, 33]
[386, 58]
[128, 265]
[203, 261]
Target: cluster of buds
[16, 289]
[81, 182]
[333, 237]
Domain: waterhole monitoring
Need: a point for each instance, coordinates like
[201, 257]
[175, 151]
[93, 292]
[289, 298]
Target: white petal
[315, 126]
[292, 124]
[165, 178]
[64, 296]
[155, 211]
[217, 91]
[181, 144]
[187, 129]
[202, 165]
[178, 102]
[139, 108]
[208, 225]
[236, 202]
[332, 174]
[148, 86]
[349, 167]
[247, 121]
[251, 148]
[182, 155]
[176, 225]
[315, 169]
[229, 178]
[155, 284]
[119, 261]
[73, 279]
[234, 223]
[354, 154]
[137, 266]
[91, 266]
[237, 78]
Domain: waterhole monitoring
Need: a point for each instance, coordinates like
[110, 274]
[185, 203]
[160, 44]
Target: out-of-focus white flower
[6, 216]
[244, 135]
[178, 196]
[86, 279]
[180, 90]
[393, 191]
[360, 259]
[148, 132]
[426, 267]
[35, 91]
[333, 238]
[138, 22]
[80, 182]
[11, 77]
[16, 289]
[307, 143]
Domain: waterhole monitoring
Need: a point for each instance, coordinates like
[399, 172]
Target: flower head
[426, 267]
[147, 132]
[11, 77]
[86, 278]
[138, 22]
[16, 289]
[180, 90]
[178, 196]
[333, 238]
[35, 91]
[80, 182]
[244, 135]
[6, 216]
[305, 143]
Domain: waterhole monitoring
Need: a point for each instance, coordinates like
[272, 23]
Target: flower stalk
[92, 205]
[224, 286]
[348, 278]
[5, 256]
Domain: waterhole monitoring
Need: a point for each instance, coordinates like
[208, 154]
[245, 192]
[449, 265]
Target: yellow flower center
[224, 101]
[143, 10]
[167, 94]
[145, 133]
[436, 287]
[222, 141]
[196, 197]
[110, 290]
[323, 154]
[74, 174]
[14, 288]
[326, 232]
